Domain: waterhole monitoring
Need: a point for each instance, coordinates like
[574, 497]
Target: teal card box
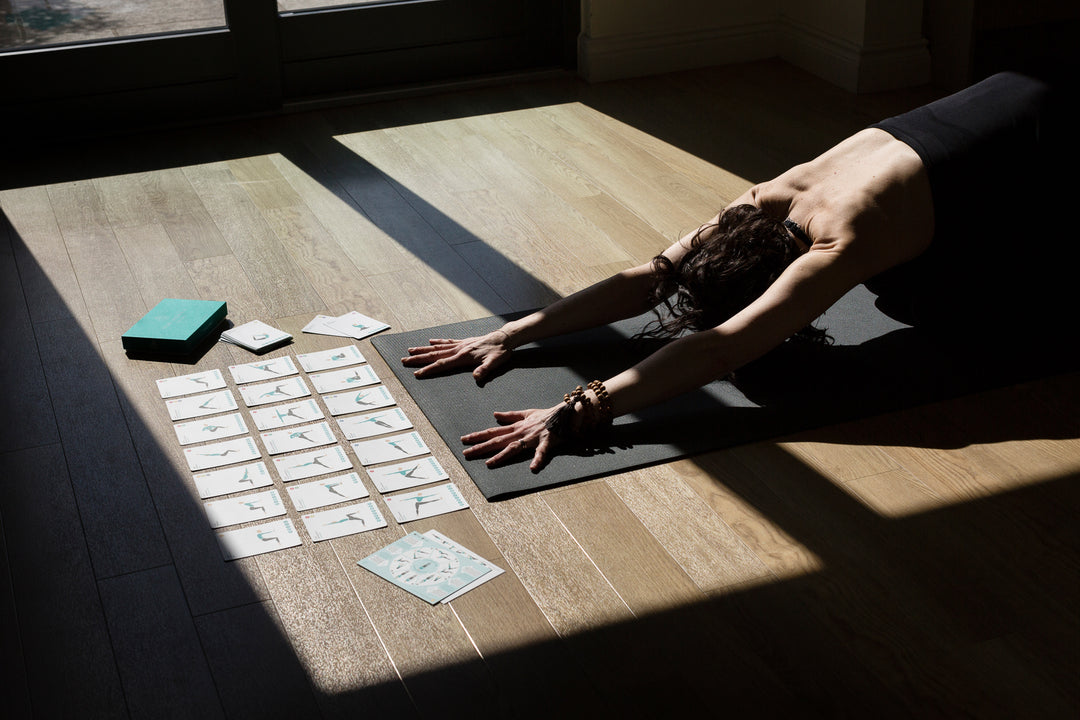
[174, 327]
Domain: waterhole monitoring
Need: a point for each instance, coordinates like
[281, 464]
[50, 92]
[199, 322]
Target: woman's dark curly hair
[729, 265]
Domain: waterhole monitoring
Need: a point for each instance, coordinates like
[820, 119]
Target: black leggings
[995, 154]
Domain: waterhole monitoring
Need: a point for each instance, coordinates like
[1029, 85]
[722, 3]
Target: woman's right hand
[484, 354]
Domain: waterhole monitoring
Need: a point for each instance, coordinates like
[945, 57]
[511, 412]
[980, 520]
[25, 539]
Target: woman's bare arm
[623, 295]
[805, 290]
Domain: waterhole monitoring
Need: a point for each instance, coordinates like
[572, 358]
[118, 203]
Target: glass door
[329, 47]
[86, 66]
[294, 5]
[73, 67]
[36, 23]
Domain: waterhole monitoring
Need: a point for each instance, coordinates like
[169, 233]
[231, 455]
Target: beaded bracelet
[561, 424]
[603, 401]
[577, 396]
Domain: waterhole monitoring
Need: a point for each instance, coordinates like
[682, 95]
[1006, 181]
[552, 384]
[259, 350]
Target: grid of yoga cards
[239, 474]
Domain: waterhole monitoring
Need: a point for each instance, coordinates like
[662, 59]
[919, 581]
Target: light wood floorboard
[920, 563]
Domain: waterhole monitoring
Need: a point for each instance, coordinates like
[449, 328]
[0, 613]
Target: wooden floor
[922, 563]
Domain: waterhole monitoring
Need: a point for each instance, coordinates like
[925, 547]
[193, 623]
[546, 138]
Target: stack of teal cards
[174, 327]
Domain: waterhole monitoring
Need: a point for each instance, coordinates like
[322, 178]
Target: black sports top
[798, 232]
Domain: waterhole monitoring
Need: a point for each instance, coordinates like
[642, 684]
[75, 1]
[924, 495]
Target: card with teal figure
[426, 568]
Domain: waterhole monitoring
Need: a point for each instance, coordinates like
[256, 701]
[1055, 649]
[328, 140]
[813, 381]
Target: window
[88, 65]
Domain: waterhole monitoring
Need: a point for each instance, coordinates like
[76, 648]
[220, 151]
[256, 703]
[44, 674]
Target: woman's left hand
[518, 432]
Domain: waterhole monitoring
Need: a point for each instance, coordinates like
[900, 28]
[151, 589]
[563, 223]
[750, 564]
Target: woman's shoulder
[773, 197]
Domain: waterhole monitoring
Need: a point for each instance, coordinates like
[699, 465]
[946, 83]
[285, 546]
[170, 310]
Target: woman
[891, 206]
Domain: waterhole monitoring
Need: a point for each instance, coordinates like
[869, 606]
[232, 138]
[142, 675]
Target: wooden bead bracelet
[561, 424]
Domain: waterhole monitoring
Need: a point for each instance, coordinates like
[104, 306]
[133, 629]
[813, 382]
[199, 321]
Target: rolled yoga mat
[875, 365]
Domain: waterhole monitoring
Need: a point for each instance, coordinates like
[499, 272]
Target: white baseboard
[857, 68]
[613, 58]
[895, 67]
[841, 62]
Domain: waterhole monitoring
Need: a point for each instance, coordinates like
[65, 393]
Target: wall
[629, 38]
[970, 39]
[861, 45]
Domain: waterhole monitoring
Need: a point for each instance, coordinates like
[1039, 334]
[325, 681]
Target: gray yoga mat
[876, 364]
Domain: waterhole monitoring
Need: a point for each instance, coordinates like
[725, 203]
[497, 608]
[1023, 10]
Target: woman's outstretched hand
[518, 432]
[484, 354]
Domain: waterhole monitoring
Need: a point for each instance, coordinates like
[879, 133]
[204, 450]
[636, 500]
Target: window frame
[264, 60]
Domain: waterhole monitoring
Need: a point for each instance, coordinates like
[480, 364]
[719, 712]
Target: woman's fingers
[434, 360]
[496, 444]
[422, 360]
[517, 432]
[432, 346]
[541, 454]
[434, 342]
[485, 368]
[505, 440]
[482, 435]
[423, 355]
[509, 417]
[446, 354]
[509, 451]
[434, 367]
[435, 346]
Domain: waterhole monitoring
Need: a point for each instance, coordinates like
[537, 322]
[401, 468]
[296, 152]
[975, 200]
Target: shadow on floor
[120, 605]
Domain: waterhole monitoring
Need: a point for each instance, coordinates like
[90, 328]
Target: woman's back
[867, 198]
